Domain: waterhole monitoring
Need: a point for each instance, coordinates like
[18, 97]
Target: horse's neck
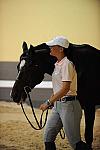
[49, 65]
[50, 70]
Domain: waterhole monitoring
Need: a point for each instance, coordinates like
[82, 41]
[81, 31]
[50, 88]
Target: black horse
[36, 61]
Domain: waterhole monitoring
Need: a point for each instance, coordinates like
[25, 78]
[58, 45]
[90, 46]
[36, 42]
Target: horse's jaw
[18, 97]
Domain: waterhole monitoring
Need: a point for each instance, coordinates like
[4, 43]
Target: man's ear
[61, 49]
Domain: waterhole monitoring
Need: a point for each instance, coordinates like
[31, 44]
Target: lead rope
[40, 126]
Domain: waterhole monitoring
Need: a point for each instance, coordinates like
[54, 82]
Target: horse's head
[34, 63]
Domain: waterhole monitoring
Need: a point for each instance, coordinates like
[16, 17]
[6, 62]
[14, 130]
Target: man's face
[55, 50]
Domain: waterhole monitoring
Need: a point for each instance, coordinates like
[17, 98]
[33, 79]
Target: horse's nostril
[13, 95]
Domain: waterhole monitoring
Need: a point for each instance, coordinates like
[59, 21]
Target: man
[67, 111]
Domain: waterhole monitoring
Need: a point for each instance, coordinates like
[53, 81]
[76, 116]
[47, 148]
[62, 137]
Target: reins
[39, 123]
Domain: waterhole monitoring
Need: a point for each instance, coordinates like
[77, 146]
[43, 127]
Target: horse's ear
[31, 49]
[24, 47]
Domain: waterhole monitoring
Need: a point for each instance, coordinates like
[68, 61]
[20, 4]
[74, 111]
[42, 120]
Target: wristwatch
[48, 102]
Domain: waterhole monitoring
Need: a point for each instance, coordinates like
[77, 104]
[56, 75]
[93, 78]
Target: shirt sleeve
[67, 71]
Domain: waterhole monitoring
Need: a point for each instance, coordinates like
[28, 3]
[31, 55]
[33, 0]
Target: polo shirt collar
[60, 62]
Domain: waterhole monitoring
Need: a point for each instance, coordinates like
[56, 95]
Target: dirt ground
[17, 134]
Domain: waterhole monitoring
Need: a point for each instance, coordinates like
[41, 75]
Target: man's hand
[44, 106]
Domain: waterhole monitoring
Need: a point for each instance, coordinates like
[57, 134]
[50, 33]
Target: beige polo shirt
[64, 71]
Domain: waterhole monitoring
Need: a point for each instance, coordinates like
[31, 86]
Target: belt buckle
[63, 99]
